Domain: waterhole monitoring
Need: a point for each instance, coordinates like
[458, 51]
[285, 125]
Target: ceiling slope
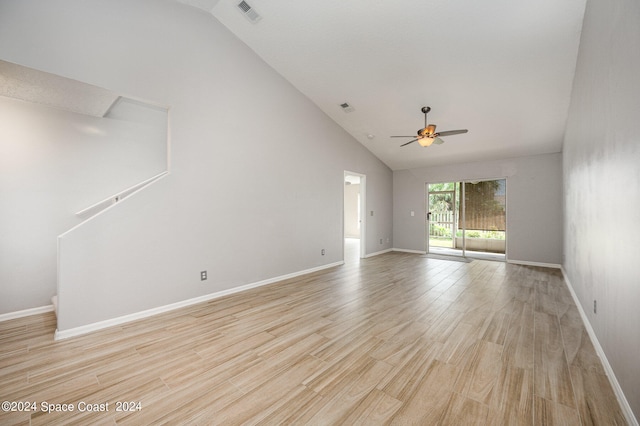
[28, 84]
[502, 69]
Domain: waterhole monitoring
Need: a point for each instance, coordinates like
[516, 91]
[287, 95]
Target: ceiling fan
[428, 135]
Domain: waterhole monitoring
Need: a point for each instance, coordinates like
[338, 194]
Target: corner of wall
[622, 399]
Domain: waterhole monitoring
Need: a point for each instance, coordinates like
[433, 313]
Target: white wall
[251, 159]
[54, 163]
[534, 204]
[351, 211]
[602, 184]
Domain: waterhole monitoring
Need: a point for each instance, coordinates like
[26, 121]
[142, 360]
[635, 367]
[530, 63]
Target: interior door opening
[467, 218]
[354, 226]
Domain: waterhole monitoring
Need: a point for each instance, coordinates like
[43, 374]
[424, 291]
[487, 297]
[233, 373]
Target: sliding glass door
[467, 218]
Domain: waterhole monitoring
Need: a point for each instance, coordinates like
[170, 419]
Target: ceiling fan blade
[452, 132]
[438, 141]
[412, 136]
[407, 143]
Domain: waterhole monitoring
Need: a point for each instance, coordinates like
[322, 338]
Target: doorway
[467, 218]
[354, 225]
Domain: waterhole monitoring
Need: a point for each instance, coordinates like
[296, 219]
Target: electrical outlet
[380, 240]
[322, 252]
[203, 275]
[595, 306]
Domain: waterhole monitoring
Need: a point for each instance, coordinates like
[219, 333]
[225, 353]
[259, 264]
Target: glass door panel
[442, 216]
[485, 217]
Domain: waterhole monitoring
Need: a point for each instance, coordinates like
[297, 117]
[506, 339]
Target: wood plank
[480, 377]
[512, 399]
[551, 413]
[464, 411]
[552, 378]
[592, 400]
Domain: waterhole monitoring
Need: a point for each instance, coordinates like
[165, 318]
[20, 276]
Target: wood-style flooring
[395, 339]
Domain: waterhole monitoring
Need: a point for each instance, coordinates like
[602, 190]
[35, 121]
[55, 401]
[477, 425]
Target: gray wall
[251, 159]
[602, 184]
[534, 204]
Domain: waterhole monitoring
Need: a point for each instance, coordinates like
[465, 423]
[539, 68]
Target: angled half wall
[68, 150]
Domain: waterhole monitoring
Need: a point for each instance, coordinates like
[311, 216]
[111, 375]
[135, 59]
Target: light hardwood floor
[394, 339]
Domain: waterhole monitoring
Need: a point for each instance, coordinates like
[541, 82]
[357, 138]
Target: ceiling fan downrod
[425, 110]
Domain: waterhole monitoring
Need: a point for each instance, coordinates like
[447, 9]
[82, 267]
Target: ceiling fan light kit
[428, 135]
[425, 141]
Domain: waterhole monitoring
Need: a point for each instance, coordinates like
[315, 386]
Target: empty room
[344, 212]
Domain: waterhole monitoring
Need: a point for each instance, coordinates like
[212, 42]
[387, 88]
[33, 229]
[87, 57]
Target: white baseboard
[25, 313]
[409, 251]
[77, 331]
[377, 253]
[540, 264]
[624, 404]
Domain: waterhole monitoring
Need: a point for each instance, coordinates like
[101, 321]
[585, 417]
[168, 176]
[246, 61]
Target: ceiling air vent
[249, 12]
[346, 107]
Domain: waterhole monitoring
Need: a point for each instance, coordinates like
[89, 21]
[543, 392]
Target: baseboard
[540, 264]
[26, 312]
[77, 331]
[409, 251]
[377, 253]
[624, 404]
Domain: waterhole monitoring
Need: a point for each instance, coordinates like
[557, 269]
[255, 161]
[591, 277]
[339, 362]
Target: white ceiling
[28, 84]
[501, 68]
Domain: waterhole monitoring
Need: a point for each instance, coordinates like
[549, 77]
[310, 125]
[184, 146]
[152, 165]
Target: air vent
[346, 107]
[249, 12]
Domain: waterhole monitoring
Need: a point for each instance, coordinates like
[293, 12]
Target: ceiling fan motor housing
[427, 131]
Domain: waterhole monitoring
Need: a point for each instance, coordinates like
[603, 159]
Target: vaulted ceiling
[502, 69]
